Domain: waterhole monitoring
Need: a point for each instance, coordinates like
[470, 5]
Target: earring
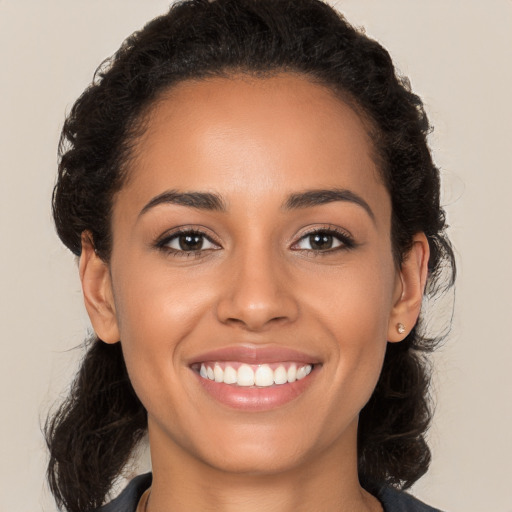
[400, 328]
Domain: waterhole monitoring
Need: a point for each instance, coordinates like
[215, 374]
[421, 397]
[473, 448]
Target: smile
[255, 379]
[262, 375]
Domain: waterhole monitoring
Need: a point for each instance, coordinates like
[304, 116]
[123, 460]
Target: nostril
[254, 314]
[255, 322]
[257, 293]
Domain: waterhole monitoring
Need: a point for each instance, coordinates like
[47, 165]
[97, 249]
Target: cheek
[355, 303]
[154, 315]
[156, 303]
[356, 318]
[160, 313]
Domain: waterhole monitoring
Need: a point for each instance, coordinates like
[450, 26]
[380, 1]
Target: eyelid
[163, 241]
[342, 235]
[176, 238]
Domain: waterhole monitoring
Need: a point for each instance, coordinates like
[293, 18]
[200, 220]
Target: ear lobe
[97, 291]
[413, 277]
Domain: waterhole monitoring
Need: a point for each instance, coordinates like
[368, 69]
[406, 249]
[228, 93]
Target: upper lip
[255, 355]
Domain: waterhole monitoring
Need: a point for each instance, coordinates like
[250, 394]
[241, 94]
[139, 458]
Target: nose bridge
[258, 292]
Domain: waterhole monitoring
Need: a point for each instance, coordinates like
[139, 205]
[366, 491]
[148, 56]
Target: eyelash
[346, 242]
[163, 244]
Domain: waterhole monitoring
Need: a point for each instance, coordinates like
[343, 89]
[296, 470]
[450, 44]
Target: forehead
[253, 136]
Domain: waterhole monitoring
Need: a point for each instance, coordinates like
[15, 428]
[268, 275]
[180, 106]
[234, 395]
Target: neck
[328, 482]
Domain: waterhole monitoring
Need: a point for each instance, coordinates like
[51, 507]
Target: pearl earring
[400, 328]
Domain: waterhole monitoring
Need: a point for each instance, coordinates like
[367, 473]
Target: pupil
[191, 242]
[320, 241]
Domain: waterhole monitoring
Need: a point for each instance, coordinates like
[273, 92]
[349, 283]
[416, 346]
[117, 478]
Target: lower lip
[254, 398]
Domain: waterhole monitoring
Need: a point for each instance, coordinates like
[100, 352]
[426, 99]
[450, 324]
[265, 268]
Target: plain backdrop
[458, 56]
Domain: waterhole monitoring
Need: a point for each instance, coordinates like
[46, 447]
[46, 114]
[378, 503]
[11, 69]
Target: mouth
[255, 379]
[239, 374]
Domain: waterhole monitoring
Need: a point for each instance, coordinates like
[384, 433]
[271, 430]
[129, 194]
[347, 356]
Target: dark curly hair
[93, 433]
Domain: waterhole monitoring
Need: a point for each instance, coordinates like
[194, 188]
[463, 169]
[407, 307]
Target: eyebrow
[213, 202]
[312, 198]
[198, 200]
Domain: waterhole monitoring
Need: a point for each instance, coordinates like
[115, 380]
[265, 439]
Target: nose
[258, 293]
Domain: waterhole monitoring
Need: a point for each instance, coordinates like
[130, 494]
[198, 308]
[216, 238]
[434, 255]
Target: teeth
[218, 373]
[301, 372]
[264, 376]
[245, 376]
[292, 373]
[280, 375]
[230, 375]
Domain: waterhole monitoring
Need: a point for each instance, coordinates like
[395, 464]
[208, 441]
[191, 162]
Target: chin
[267, 449]
[257, 459]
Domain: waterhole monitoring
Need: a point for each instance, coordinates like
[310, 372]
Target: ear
[411, 282]
[97, 290]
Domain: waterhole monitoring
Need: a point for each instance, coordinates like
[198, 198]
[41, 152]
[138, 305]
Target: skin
[253, 142]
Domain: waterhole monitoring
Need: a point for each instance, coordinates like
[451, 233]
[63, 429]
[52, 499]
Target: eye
[324, 240]
[187, 242]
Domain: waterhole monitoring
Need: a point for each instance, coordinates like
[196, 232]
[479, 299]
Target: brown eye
[324, 241]
[189, 241]
[321, 241]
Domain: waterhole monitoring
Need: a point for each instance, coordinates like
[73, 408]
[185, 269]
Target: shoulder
[128, 500]
[398, 501]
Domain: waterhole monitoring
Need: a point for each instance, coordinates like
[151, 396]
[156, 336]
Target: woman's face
[253, 237]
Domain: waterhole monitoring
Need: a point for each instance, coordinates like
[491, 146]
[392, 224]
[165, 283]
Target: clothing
[391, 499]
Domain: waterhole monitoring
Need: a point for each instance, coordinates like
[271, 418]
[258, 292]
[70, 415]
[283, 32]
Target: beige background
[458, 55]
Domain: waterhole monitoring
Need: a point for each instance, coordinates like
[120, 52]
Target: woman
[249, 189]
